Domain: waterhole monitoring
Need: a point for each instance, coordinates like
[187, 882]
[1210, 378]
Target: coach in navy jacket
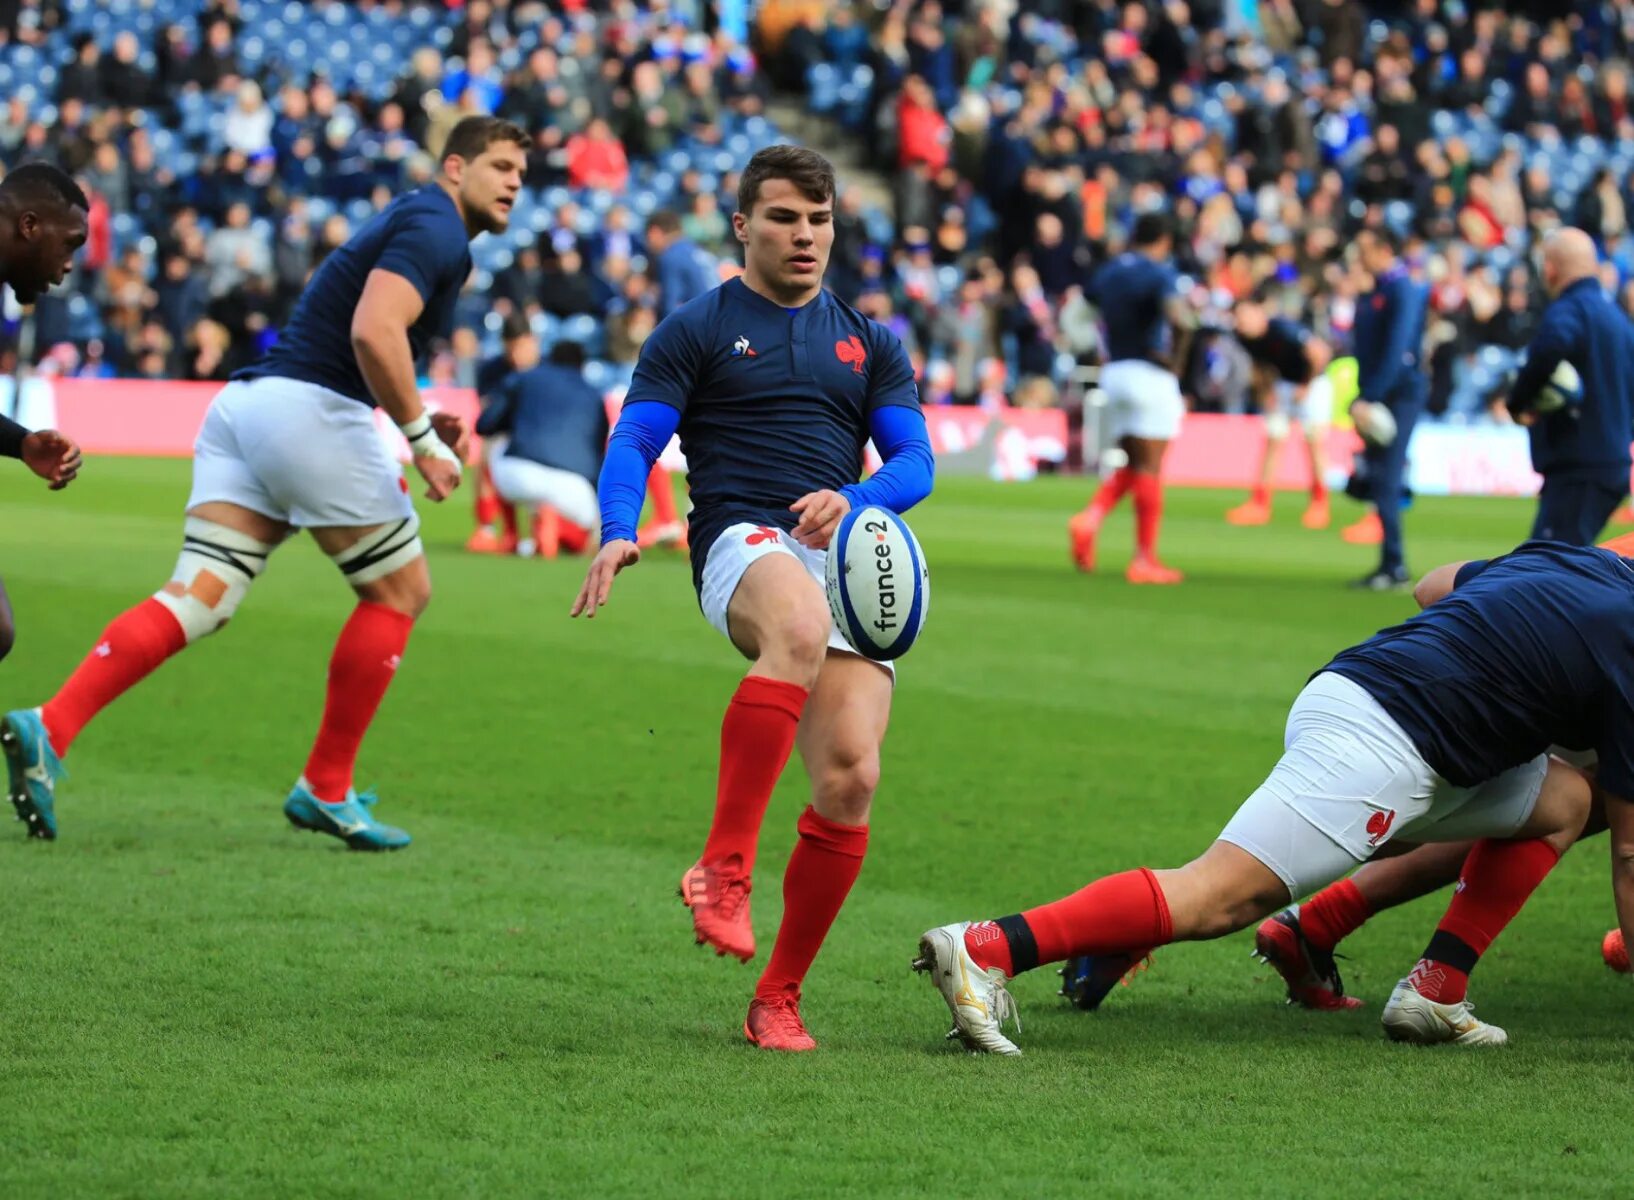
[1389, 338]
[1582, 448]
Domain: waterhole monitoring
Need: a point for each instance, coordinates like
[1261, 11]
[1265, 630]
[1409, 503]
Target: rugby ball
[1565, 387]
[1375, 422]
[878, 585]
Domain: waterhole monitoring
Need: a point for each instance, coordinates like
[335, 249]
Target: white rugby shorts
[299, 453]
[523, 481]
[1143, 400]
[1350, 780]
[738, 548]
[1313, 410]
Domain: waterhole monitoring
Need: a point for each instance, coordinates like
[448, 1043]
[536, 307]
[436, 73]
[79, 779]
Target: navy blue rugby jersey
[419, 236]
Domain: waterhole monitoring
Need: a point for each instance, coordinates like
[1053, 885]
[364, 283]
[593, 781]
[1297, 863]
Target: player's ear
[740, 227]
[454, 168]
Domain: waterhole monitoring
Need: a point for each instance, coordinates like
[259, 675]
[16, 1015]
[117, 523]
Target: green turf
[201, 1002]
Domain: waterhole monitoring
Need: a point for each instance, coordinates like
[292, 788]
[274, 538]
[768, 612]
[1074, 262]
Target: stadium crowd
[230, 145]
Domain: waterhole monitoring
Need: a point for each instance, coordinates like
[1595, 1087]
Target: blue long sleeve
[909, 469]
[644, 428]
[1558, 334]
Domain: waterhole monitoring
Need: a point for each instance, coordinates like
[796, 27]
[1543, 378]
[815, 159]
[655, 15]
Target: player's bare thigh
[1145, 454]
[840, 736]
[778, 618]
[407, 589]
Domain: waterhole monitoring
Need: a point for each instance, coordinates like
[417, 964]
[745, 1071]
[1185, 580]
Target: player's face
[787, 238]
[51, 242]
[1251, 320]
[489, 184]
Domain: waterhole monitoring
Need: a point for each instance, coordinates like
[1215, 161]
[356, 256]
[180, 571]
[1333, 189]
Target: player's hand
[442, 475]
[612, 558]
[451, 429]
[820, 515]
[52, 457]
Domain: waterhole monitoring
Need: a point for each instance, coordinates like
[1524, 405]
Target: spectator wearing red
[595, 158]
[922, 130]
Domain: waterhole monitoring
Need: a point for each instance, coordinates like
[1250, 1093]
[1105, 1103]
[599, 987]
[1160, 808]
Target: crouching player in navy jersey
[1435, 730]
[290, 443]
[775, 387]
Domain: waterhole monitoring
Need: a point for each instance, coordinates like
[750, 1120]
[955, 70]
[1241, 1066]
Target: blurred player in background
[291, 444]
[1148, 326]
[496, 531]
[1582, 448]
[42, 226]
[1434, 730]
[775, 387]
[554, 428]
[1389, 339]
[1289, 385]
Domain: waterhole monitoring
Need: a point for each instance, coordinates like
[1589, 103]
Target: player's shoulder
[872, 332]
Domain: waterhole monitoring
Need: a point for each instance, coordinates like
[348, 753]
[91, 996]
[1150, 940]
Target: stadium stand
[230, 145]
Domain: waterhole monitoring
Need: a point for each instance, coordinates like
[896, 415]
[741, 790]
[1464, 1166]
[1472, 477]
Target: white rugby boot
[976, 997]
[1411, 1017]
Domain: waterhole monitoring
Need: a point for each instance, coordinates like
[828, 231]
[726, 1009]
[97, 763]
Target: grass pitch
[202, 1002]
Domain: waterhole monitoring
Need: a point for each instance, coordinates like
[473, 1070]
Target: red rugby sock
[129, 650]
[365, 661]
[824, 865]
[757, 736]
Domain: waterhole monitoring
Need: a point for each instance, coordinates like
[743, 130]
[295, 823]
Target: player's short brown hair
[806, 169]
[473, 135]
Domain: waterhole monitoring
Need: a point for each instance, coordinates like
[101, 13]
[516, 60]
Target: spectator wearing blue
[557, 428]
[683, 270]
[1389, 344]
[1581, 447]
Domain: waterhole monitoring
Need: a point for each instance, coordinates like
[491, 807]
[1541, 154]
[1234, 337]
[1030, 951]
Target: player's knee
[213, 574]
[846, 786]
[801, 638]
[374, 566]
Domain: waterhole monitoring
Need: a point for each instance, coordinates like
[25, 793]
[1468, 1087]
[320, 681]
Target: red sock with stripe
[130, 649]
[1498, 878]
[824, 865]
[1333, 914]
[365, 661]
[1121, 914]
[757, 736]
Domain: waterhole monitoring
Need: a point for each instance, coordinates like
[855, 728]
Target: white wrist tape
[423, 440]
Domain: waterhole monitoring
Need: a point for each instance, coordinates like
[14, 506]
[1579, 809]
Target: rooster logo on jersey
[740, 349]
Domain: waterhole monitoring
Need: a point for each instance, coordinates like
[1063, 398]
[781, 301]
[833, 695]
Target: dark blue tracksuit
[1580, 450]
[1389, 338]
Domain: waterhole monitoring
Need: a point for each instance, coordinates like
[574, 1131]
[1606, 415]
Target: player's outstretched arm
[1437, 584]
[1620, 817]
[49, 454]
[390, 304]
[644, 429]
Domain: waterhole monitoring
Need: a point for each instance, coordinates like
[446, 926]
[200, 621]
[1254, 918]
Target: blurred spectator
[682, 269]
[596, 159]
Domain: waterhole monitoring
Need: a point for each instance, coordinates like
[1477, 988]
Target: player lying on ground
[1432, 730]
[291, 443]
[1289, 385]
[775, 387]
[1299, 941]
[42, 226]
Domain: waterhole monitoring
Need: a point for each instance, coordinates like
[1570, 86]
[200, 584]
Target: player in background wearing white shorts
[1148, 327]
[1289, 385]
[775, 387]
[42, 226]
[1432, 730]
[291, 444]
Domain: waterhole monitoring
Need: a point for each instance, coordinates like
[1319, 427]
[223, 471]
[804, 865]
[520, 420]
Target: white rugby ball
[1375, 422]
[878, 584]
[1565, 387]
